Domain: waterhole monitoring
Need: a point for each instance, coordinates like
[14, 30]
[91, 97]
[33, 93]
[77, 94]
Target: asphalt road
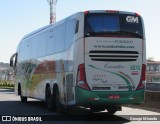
[11, 106]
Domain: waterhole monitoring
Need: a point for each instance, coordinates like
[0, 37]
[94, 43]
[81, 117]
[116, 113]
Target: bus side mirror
[13, 60]
[11, 63]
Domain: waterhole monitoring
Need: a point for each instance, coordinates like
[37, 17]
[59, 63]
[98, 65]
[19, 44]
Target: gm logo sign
[132, 19]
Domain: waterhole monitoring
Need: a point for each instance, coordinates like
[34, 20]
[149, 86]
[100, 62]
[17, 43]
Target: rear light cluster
[143, 78]
[86, 12]
[137, 14]
[81, 77]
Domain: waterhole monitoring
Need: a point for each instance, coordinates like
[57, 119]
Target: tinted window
[113, 23]
[42, 44]
[34, 48]
[25, 50]
[38, 45]
[51, 42]
[131, 24]
[60, 38]
[70, 31]
[98, 23]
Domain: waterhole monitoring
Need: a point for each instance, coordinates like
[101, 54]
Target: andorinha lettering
[123, 41]
[116, 41]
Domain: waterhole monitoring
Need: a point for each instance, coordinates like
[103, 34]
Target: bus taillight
[143, 78]
[86, 12]
[137, 14]
[81, 77]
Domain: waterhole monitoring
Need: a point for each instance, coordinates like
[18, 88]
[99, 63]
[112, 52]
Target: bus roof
[48, 26]
[84, 12]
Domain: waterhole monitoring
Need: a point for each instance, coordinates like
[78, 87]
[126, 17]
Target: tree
[150, 59]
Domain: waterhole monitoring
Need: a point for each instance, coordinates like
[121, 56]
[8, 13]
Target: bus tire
[23, 99]
[113, 109]
[50, 99]
[59, 107]
[96, 109]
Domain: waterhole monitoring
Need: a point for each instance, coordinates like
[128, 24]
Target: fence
[152, 95]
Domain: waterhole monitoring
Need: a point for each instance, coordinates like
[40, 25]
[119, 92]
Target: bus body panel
[103, 98]
[113, 64]
[34, 73]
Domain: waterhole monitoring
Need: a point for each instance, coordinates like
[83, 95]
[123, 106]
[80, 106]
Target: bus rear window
[113, 24]
[98, 23]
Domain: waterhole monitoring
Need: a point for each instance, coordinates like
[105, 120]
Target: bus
[95, 59]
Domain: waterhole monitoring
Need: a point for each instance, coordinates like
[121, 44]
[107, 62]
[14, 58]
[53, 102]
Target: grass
[7, 84]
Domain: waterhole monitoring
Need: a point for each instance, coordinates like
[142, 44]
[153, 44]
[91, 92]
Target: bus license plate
[114, 97]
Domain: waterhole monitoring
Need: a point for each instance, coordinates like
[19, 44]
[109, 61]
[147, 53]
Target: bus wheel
[59, 107]
[113, 109]
[23, 99]
[49, 99]
[96, 109]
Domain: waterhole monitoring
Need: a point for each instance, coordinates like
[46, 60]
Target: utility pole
[52, 4]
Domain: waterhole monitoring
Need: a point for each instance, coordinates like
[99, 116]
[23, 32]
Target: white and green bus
[95, 59]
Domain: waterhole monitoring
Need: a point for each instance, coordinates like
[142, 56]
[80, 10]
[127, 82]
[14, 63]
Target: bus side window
[51, 42]
[77, 27]
[70, 31]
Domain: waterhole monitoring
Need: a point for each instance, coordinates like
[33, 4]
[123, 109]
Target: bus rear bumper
[93, 98]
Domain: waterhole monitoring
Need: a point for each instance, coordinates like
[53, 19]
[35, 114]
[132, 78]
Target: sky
[20, 17]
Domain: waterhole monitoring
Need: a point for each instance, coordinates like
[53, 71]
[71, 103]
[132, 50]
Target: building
[153, 66]
[153, 71]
